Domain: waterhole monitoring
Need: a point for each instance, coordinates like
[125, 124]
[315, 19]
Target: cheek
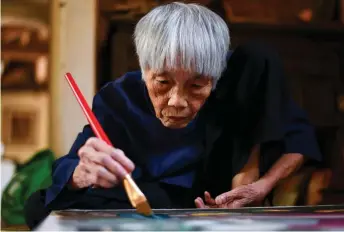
[197, 102]
[195, 105]
[159, 98]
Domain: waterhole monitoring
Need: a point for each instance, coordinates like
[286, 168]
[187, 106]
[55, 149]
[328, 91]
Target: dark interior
[313, 56]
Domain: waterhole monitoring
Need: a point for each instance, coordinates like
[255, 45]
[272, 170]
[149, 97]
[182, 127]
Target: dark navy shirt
[164, 152]
[168, 151]
[124, 110]
[160, 154]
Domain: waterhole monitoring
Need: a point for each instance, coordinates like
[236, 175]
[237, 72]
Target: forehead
[180, 74]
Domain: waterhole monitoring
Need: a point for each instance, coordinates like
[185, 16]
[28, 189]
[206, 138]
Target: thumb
[222, 198]
[226, 197]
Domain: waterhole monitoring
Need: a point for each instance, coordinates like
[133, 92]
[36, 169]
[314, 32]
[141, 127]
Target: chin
[175, 125]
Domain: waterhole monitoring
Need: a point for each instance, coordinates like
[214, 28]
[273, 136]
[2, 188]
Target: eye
[196, 86]
[163, 82]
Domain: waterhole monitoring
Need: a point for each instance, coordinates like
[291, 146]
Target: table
[317, 218]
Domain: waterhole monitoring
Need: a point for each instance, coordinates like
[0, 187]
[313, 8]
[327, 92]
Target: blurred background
[41, 40]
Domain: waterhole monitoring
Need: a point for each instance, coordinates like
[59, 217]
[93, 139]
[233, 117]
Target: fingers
[114, 167]
[105, 165]
[223, 198]
[104, 183]
[106, 161]
[103, 174]
[211, 203]
[118, 155]
[85, 151]
[208, 199]
[99, 175]
[227, 197]
[200, 204]
[101, 153]
[237, 203]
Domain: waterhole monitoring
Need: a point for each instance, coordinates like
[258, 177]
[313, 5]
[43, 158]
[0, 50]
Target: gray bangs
[182, 36]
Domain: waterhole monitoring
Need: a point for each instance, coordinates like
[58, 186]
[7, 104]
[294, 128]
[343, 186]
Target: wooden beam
[20, 55]
[30, 48]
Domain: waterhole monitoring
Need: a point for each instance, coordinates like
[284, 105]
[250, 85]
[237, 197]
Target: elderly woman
[178, 129]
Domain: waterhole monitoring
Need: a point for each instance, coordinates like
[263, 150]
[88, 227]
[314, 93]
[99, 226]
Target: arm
[250, 172]
[59, 194]
[284, 167]
[256, 191]
[299, 144]
[69, 185]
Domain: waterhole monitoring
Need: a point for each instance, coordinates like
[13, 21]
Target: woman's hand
[244, 195]
[209, 202]
[100, 165]
[241, 196]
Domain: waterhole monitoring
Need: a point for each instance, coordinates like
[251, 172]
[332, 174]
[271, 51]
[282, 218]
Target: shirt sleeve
[58, 195]
[300, 135]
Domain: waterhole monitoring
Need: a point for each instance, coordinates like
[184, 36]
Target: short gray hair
[187, 36]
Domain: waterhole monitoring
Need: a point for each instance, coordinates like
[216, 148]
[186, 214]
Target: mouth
[176, 119]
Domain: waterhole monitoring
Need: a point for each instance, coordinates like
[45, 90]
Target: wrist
[266, 184]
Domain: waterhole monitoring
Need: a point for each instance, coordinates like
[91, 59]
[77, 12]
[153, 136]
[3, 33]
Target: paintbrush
[137, 199]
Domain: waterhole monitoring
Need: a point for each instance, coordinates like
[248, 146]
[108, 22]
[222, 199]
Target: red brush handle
[92, 120]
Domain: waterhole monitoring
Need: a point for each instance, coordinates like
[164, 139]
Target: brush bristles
[144, 208]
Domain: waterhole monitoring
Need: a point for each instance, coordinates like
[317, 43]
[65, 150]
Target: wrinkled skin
[245, 195]
[252, 194]
[100, 165]
[177, 95]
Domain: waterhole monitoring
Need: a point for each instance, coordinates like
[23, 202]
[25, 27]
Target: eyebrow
[164, 73]
[198, 77]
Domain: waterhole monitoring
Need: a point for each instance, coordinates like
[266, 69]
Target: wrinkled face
[177, 95]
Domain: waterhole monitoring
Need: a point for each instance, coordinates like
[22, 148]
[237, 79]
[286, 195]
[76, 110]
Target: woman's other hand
[209, 201]
[244, 195]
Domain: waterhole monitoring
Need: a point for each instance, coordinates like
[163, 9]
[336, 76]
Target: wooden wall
[309, 39]
[312, 50]
[313, 58]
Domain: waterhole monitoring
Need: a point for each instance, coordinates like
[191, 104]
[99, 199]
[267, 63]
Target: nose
[177, 100]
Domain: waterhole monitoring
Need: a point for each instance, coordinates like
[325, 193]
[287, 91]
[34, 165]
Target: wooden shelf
[326, 29]
[303, 28]
[20, 55]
